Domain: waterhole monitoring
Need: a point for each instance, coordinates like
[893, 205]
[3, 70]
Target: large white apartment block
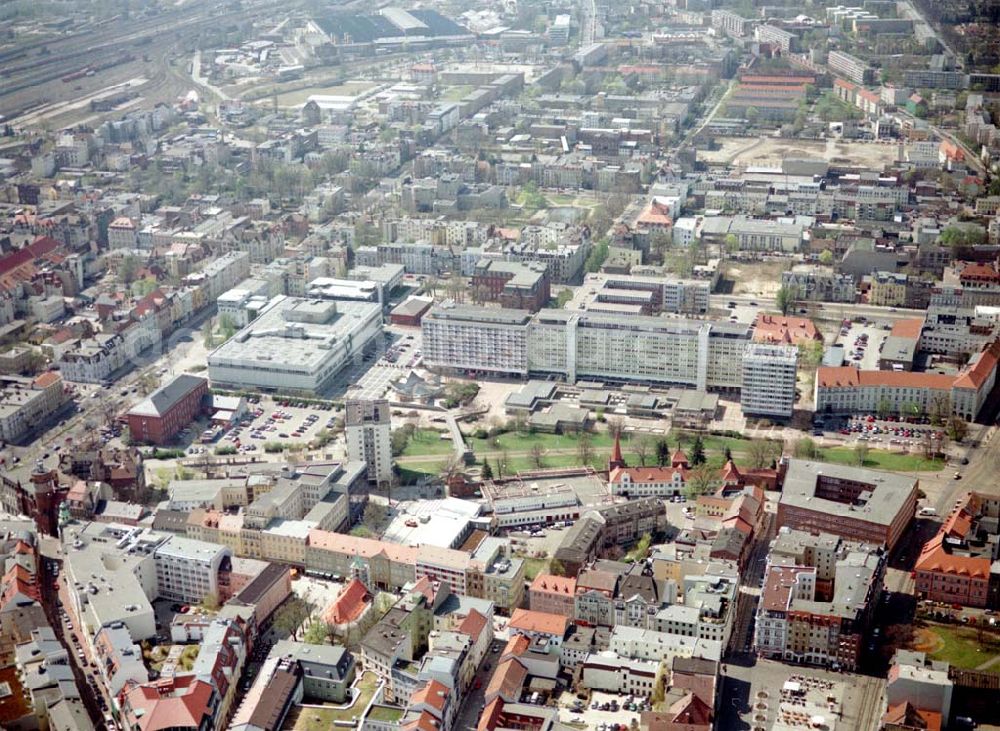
[732, 24]
[769, 373]
[694, 353]
[477, 339]
[850, 67]
[188, 570]
[368, 432]
[574, 345]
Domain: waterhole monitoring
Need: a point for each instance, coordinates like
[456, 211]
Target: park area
[961, 645]
[323, 717]
[427, 452]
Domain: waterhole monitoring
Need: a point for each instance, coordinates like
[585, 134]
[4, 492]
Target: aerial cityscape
[514, 366]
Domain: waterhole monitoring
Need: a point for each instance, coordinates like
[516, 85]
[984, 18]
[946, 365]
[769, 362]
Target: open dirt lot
[756, 278]
[771, 150]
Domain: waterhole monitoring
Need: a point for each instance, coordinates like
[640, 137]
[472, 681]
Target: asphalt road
[831, 311]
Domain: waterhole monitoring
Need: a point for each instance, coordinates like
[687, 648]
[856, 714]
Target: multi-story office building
[769, 373]
[783, 39]
[852, 502]
[694, 353]
[28, 402]
[170, 408]
[515, 285]
[188, 570]
[850, 67]
[574, 345]
[620, 294]
[368, 432]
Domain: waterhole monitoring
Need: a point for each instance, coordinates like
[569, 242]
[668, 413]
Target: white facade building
[769, 373]
[296, 345]
[187, 570]
[368, 432]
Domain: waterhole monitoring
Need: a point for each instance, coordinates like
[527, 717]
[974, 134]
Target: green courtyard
[961, 645]
[321, 718]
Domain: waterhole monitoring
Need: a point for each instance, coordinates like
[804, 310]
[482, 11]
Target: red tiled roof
[19, 582]
[692, 710]
[528, 620]
[977, 373]
[778, 582]
[44, 380]
[908, 328]
[473, 625]
[490, 717]
[507, 680]
[516, 646]
[424, 722]
[851, 377]
[434, 695]
[906, 715]
[179, 702]
[37, 248]
[349, 604]
[551, 584]
[768, 328]
[642, 475]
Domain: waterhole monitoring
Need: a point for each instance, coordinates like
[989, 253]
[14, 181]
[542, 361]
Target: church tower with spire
[616, 460]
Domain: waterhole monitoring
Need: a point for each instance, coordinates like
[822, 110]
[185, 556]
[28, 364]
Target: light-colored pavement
[742, 686]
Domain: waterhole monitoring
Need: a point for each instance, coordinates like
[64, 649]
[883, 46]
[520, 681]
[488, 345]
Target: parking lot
[394, 354]
[269, 420]
[863, 344]
[609, 711]
[890, 433]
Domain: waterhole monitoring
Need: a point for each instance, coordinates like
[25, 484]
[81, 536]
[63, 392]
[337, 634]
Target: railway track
[66, 57]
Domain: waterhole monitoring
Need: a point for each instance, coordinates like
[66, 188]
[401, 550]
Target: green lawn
[883, 460]
[535, 566]
[321, 719]
[962, 647]
[385, 713]
[427, 442]
[454, 93]
[426, 454]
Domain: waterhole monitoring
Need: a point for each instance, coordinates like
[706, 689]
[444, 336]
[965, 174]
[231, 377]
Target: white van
[927, 511]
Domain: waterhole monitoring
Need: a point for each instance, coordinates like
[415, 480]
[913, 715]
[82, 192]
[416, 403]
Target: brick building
[515, 285]
[170, 408]
[552, 594]
[956, 566]
[851, 502]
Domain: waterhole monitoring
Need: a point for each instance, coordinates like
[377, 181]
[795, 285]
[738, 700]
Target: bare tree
[761, 452]
[585, 449]
[860, 454]
[616, 425]
[537, 455]
[699, 481]
[643, 448]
